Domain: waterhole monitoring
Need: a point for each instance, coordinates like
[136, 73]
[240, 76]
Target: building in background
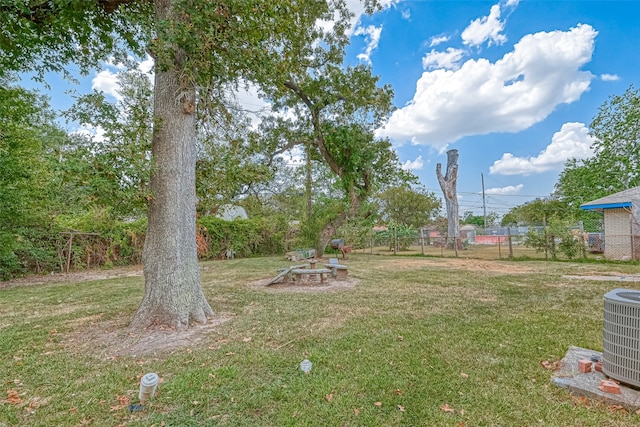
[621, 223]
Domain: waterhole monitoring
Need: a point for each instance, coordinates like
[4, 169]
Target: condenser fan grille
[621, 346]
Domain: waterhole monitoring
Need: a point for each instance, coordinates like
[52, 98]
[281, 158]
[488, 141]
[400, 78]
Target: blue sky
[512, 85]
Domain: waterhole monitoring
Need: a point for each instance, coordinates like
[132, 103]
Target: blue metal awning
[603, 206]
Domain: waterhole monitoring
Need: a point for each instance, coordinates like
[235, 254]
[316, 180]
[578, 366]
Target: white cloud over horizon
[518, 90]
[571, 141]
[416, 164]
[502, 191]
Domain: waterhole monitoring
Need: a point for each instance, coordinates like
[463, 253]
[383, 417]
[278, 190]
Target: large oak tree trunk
[173, 295]
[448, 185]
[327, 232]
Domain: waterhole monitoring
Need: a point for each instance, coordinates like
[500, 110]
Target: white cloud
[571, 141]
[107, 82]
[356, 7]
[436, 40]
[294, 157]
[501, 191]
[416, 164]
[485, 28]
[448, 60]
[95, 133]
[520, 89]
[146, 65]
[372, 37]
[609, 77]
[406, 14]
[248, 97]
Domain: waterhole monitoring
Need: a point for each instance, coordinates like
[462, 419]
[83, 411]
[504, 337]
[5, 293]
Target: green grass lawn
[417, 341]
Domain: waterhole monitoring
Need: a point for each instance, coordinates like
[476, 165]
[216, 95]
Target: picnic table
[339, 271]
[298, 273]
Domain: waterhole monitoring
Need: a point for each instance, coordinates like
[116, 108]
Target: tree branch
[38, 12]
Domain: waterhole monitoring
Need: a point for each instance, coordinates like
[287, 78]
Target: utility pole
[484, 203]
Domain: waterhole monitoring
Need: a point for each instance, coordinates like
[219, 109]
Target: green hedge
[41, 251]
[246, 237]
[100, 241]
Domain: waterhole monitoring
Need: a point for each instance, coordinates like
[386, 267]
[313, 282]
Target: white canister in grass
[148, 385]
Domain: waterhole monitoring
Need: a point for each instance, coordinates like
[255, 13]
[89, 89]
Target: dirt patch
[477, 265]
[80, 276]
[111, 339]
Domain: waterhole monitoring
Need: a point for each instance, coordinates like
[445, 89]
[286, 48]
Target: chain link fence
[581, 240]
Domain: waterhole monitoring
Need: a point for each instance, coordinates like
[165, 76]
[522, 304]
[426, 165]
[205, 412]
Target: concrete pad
[586, 384]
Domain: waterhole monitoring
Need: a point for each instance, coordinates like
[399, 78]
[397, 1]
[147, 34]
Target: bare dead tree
[448, 185]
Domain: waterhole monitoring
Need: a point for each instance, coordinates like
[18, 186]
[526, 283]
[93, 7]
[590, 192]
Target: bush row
[103, 243]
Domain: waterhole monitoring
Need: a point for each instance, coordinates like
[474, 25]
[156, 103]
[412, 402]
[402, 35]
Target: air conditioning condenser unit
[621, 338]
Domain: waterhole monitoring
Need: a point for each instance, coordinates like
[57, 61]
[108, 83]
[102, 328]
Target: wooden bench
[285, 272]
[297, 273]
[338, 271]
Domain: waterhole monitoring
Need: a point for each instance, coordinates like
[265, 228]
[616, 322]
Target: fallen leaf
[398, 391]
[554, 366]
[616, 408]
[447, 408]
[229, 354]
[329, 397]
[378, 403]
[124, 400]
[73, 410]
[13, 397]
[400, 407]
[460, 424]
[357, 411]
[246, 339]
[400, 338]
[463, 375]
[581, 401]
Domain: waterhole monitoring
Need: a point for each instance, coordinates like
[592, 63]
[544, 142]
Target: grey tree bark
[327, 232]
[173, 295]
[448, 185]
